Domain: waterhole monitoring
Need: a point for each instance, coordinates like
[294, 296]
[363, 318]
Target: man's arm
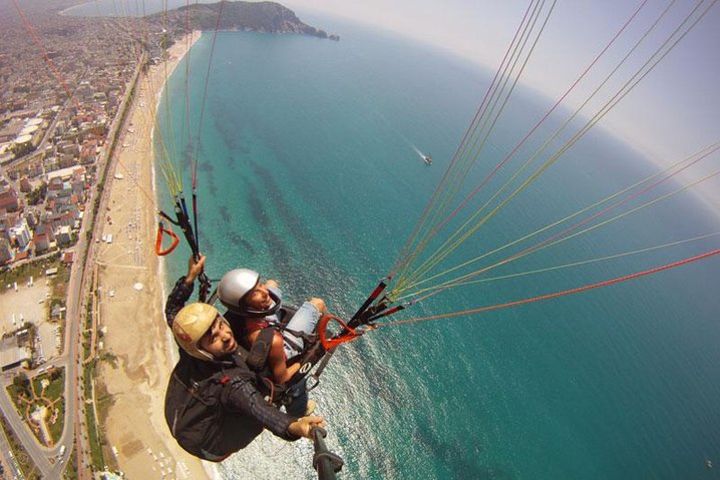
[176, 300]
[242, 396]
[183, 289]
[278, 362]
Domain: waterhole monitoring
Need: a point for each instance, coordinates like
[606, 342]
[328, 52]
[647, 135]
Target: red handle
[347, 335]
[159, 239]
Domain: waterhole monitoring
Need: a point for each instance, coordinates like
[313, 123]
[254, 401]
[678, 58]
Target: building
[20, 256]
[69, 148]
[32, 219]
[11, 130]
[21, 234]
[34, 122]
[46, 227]
[12, 353]
[35, 134]
[88, 153]
[67, 173]
[68, 258]
[51, 164]
[57, 187]
[9, 200]
[25, 185]
[66, 160]
[64, 236]
[22, 145]
[41, 243]
[6, 153]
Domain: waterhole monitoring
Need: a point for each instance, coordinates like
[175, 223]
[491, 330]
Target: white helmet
[189, 326]
[234, 287]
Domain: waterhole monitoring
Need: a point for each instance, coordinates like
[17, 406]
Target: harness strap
[191, 390]
[293, 344]
[308, 338]
[257, 358]
[320, 369]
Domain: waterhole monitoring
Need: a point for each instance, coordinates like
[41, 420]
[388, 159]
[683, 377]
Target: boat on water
[427, 159]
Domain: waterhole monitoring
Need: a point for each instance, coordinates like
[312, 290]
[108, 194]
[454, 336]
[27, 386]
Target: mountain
[268, 17]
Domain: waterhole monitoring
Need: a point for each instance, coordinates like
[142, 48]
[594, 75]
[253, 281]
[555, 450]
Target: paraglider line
[562, 293]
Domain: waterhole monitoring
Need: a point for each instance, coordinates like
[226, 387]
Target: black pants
[299, 402]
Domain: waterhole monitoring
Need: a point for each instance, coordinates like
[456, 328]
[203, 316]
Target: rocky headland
[266, 17]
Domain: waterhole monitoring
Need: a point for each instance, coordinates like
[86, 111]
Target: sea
[308, 172]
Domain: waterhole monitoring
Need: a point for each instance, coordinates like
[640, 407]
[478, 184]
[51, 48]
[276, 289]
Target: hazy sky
[673, 112]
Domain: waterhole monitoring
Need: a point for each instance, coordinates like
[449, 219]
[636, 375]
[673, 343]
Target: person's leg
[305, 320]
[299, 403]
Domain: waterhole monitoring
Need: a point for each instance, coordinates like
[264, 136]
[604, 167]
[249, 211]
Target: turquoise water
[307, 174]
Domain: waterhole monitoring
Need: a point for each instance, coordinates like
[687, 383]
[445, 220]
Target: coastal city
[68, 85]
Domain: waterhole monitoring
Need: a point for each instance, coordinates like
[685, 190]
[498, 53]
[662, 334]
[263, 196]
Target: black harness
[196, 420]
[258, 353]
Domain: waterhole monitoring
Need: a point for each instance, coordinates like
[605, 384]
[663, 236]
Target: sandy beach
[131, 300]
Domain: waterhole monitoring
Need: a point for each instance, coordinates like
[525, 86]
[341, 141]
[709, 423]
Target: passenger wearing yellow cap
[212, 404]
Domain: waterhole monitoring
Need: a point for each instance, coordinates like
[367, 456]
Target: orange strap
[347, 335]
[159, 239]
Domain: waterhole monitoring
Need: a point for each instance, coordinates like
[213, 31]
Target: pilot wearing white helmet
[254, 306]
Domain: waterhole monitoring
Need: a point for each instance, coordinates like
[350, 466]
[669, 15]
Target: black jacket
[214, 409]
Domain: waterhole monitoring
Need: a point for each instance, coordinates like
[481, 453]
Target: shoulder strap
[257, 357]
[199, 390]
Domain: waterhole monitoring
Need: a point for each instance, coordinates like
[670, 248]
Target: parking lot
[28, 303]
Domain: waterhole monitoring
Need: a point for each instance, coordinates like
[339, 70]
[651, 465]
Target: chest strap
[257, 357]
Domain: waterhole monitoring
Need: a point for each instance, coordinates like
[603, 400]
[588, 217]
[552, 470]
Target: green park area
[40, 403]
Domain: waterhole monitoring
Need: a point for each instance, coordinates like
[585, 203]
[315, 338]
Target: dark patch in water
[257, 209]
[224, 213]
[230, 129]
[279, 251]
[460, 459]
[236, 130]
[324, 272]
[222, 126]
[186, 156]
[237, 240]
[209, 180]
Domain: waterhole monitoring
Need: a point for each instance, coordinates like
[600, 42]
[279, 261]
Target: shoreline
[131, 288]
